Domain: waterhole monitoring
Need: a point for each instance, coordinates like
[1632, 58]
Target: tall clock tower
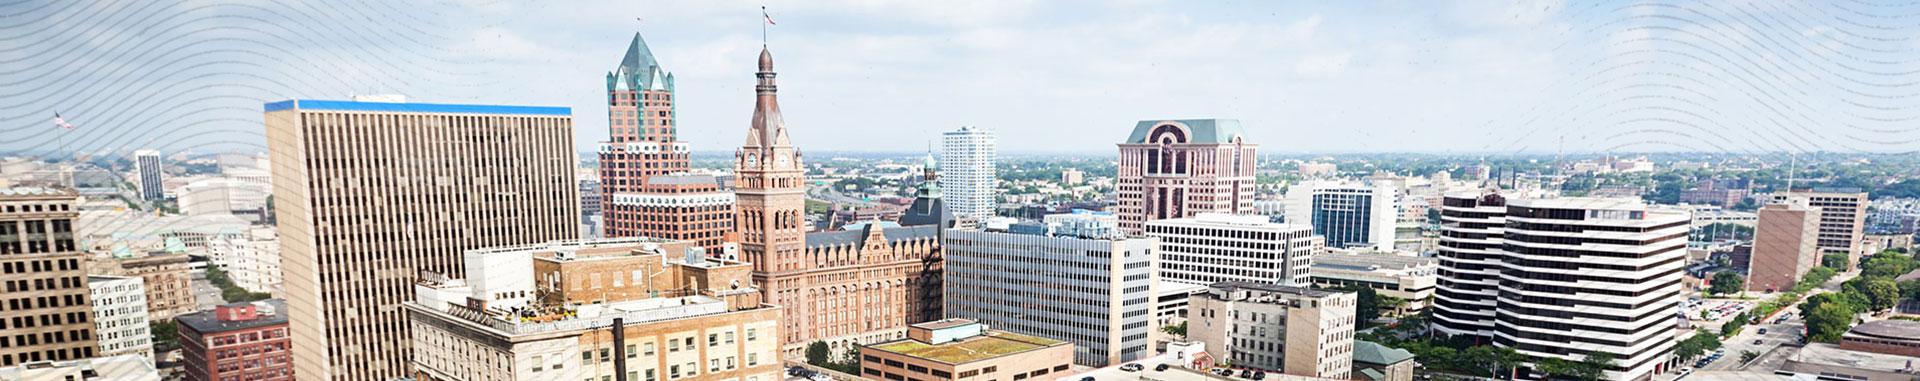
[770, 194]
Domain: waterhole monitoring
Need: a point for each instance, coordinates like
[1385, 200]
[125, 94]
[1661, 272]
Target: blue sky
[1481, 76]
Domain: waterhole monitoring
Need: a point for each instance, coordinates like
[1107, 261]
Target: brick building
[845, 288]
[680, 206]
[239, 341]
[1180, 168]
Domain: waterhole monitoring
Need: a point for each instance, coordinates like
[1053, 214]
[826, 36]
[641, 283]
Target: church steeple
[769, 129]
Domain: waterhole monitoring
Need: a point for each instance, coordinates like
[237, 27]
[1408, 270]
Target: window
[586, 358]
[713, 365]
[650, 375]
[538, 362]
[647, 348]
[753, 359]
[673, 345]
[729, 337]
[750, 335]
[632, 354]
[713, 339]
[673, 371]
[1060, 367]
[1021, 376]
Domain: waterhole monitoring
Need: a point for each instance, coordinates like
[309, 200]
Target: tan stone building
[1843, 216]
[371, 193]
[545, 312]
[960, 349]
[169, 285]
[845, 288]
[46, 311]
[1785, 246]
[1292, 330]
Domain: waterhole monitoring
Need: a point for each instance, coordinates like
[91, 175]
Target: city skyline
[1541, 77]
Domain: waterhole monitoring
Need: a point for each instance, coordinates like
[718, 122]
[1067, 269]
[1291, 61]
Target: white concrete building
[1212, 247]
[252, 261]
[966, 171]
[110, 368]
[1093, 292]
[1408, 278]
[222, 195]
[120, 316]
[1564, 278]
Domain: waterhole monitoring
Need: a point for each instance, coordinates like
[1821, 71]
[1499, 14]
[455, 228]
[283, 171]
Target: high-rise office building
[967, 157]
[1211, 248]
[1785, 246]
[1093, 291]
[644, 188]
[638, 308]
[591, 214]
[1293, 330]
[1573, 277]
[1181, 168]
[846, 287]
[369, 194]
[147, 165]
[1347, 214]
[120, 316]
[47, 309]
[1843, 216]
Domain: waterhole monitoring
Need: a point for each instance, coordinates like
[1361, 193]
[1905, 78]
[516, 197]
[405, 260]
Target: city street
[205, 295]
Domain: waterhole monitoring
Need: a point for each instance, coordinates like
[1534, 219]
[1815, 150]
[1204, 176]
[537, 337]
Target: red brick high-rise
[643, 183]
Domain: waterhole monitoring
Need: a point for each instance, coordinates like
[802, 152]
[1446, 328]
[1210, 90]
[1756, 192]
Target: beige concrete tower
[371, 194]
[771, 196]
[46, 314]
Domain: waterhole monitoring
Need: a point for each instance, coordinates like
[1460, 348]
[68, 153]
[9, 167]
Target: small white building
[120, 316]
[114, 368]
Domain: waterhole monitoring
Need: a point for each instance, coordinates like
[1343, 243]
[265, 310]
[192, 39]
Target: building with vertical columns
[844, 288]
[370, 194]
[1785, 246]
[1843, 216]
[1572, 277]
[967, 157]
[1093, 291]
[1181, 168]
[46, 314]
[147, 164]
[548, 311]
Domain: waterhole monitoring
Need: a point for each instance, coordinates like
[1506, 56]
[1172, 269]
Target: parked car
[1132, 367]
[1087, 378]
[1246, 373]
[1759, 342]
[1160, 368]
[1259, 375]
[1763, 330]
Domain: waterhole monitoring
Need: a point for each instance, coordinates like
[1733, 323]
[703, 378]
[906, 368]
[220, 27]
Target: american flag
[61, 122]
[763, 13]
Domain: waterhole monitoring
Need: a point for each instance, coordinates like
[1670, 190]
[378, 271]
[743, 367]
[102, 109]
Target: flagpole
[763, 25]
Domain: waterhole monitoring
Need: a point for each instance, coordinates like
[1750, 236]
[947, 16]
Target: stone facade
[45, 279]
[1180, 168]
[169, 287]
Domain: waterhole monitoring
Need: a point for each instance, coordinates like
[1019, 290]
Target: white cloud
[1323, 65]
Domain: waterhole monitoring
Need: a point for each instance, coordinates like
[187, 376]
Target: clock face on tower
[785, 159]
[752, 160]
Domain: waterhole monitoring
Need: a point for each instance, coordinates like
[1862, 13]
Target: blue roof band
[438, 108]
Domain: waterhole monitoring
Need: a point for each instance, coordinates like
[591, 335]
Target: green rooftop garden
[994, 344]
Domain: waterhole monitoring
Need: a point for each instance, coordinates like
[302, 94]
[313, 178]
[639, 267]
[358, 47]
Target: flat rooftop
[207, 322]
[408, 107]
[990, 345]
[1829, 354]
[1889, 329]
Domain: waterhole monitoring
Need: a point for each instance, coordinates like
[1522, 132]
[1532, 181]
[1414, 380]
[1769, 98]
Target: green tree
[1559, 368]
[1733, 325]
[1910, 289]
[818, 354]
[1828, 321]
[1726, 282]
[1594, 366]
[1367, 305]
[1700, 343]
[166, 334]
[1881, 293]
[1837, 261]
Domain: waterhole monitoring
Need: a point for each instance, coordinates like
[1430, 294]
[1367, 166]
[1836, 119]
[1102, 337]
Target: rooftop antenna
[1793, 164]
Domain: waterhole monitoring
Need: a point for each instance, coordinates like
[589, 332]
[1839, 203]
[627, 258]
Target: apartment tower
[46, 314]
[373, 193]
[1575, 277]
[1181, 168]
[966, 171]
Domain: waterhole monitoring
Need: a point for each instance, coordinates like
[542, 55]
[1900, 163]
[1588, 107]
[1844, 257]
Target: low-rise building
[1375, 362]
[113, 368]
[1170, 301]
[549, 312]
[1408, 278]
[1292, 330]
[120, 316]
[1893, 337]
[239, 341]
[1211, 248]
[1830, 362]
[956, 349]
[251, 261]
[169, 286]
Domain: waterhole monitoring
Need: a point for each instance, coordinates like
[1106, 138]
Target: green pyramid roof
[1372, 353]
